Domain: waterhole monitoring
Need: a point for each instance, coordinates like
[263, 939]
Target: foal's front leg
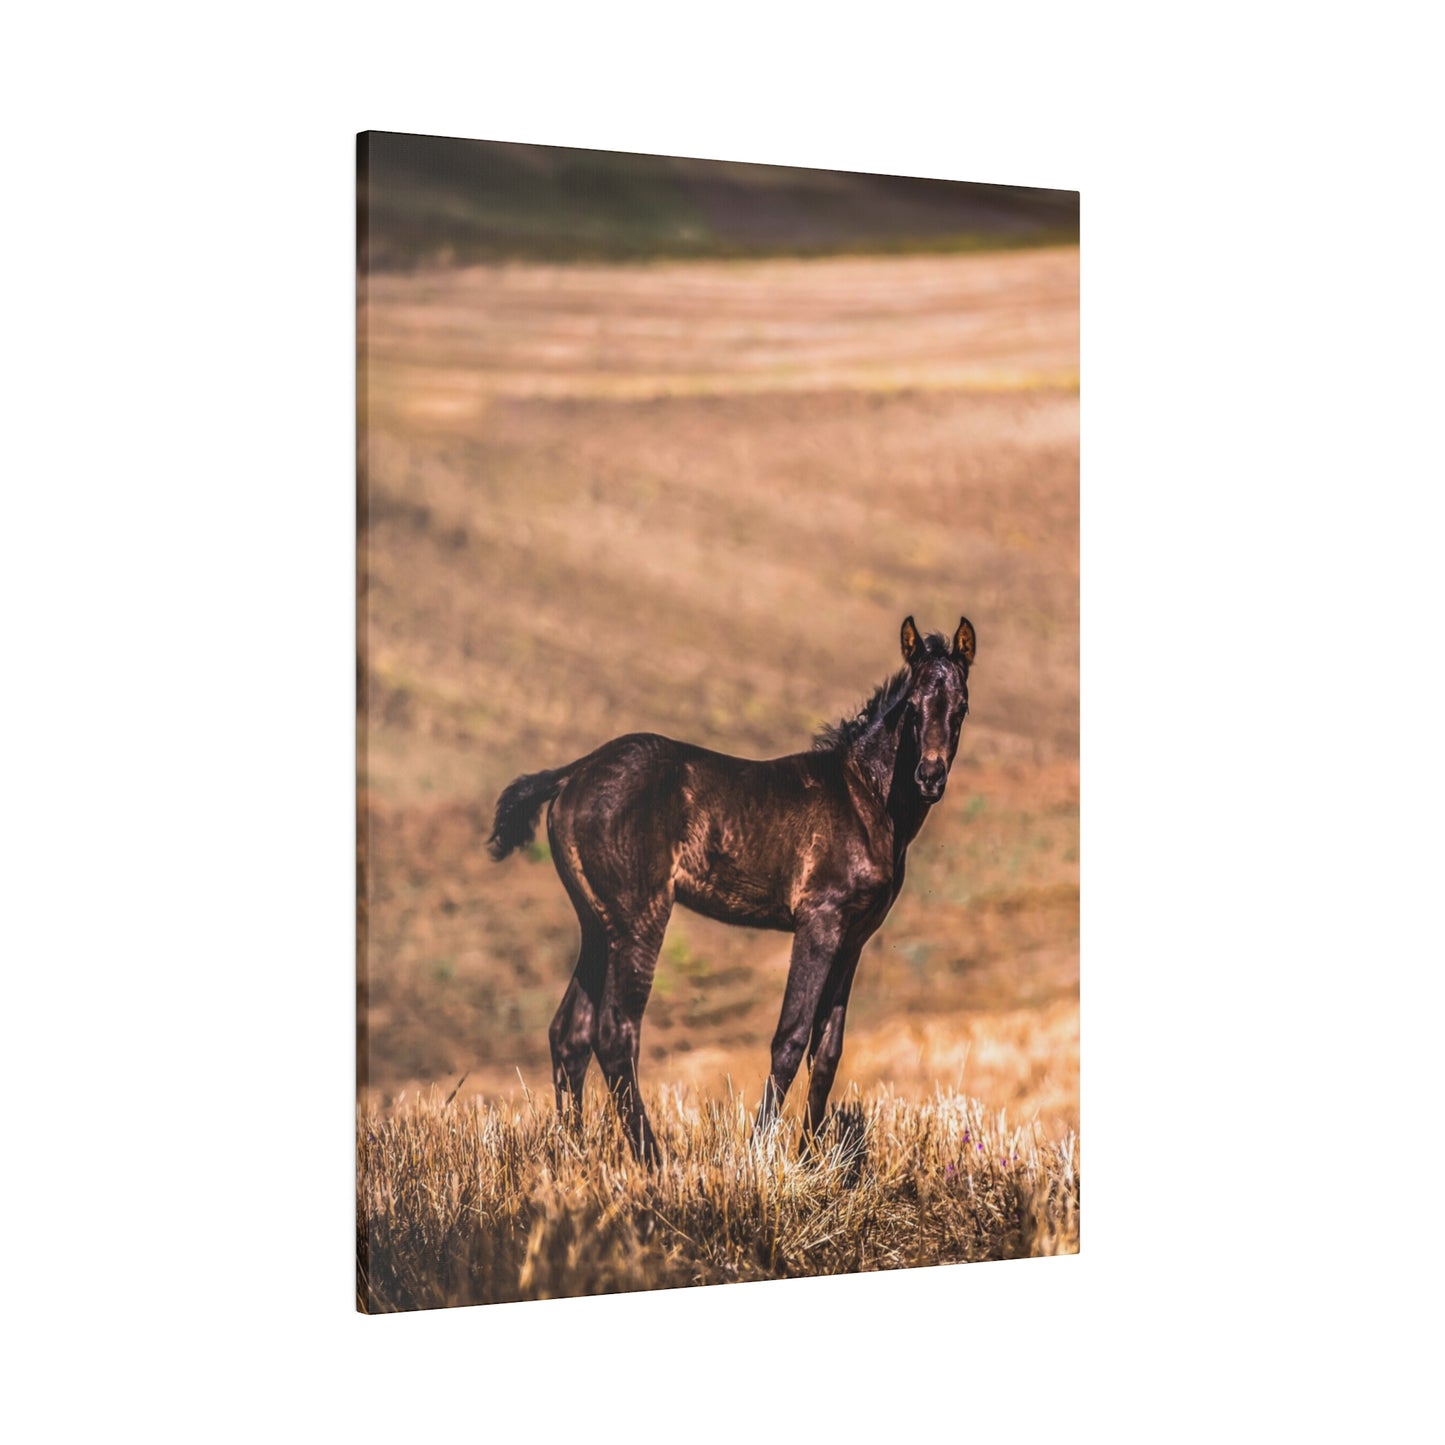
[815, 947]
[825, 1046]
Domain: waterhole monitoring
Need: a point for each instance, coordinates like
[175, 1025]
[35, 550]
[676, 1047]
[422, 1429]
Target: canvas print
[718, 722]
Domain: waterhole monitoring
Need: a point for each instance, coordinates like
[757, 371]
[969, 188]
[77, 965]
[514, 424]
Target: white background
[1262, 801]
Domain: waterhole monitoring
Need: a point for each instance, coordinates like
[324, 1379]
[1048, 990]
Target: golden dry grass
[475, 1203]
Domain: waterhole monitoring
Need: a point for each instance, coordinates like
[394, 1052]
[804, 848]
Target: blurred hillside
[429, 200]
[698, 498]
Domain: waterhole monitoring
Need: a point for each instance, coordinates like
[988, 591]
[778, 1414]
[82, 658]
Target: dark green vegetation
[434, 200]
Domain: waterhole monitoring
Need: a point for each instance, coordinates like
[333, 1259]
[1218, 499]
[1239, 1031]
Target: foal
[812, 844]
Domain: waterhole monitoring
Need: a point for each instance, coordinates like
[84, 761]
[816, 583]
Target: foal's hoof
[647, 1151]
[844, 1131]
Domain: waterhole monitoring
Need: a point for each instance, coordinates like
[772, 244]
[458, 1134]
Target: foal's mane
[835, 737]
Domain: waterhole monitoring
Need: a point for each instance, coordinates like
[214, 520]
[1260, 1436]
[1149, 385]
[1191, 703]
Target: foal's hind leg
[601, 1012]
[614, 830]
[573, 1033]
[630, 967]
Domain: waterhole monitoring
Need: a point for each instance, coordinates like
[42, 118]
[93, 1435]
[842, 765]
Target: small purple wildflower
[980, 1148]
[965, 1136]
[949, 1170]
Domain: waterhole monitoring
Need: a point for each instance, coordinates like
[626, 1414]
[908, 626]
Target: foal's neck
[887, 757]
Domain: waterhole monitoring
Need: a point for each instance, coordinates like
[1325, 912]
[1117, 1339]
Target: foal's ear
[909, 639]
[964, 642]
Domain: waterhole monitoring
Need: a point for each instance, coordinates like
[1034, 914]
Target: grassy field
[698, 498]
[479, 1204]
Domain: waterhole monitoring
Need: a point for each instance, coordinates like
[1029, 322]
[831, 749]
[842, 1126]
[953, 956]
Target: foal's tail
[517, 809]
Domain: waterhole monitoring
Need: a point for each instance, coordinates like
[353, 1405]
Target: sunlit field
[698, 498]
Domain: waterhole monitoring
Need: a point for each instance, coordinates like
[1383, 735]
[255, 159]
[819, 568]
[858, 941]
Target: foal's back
[731, 838]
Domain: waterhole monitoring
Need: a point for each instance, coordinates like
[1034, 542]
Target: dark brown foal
[812, 844]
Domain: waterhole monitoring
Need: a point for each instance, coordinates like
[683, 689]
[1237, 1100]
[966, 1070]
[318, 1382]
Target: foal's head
[937, 700]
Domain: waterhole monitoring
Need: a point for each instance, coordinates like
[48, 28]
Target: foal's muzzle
[930, 775]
